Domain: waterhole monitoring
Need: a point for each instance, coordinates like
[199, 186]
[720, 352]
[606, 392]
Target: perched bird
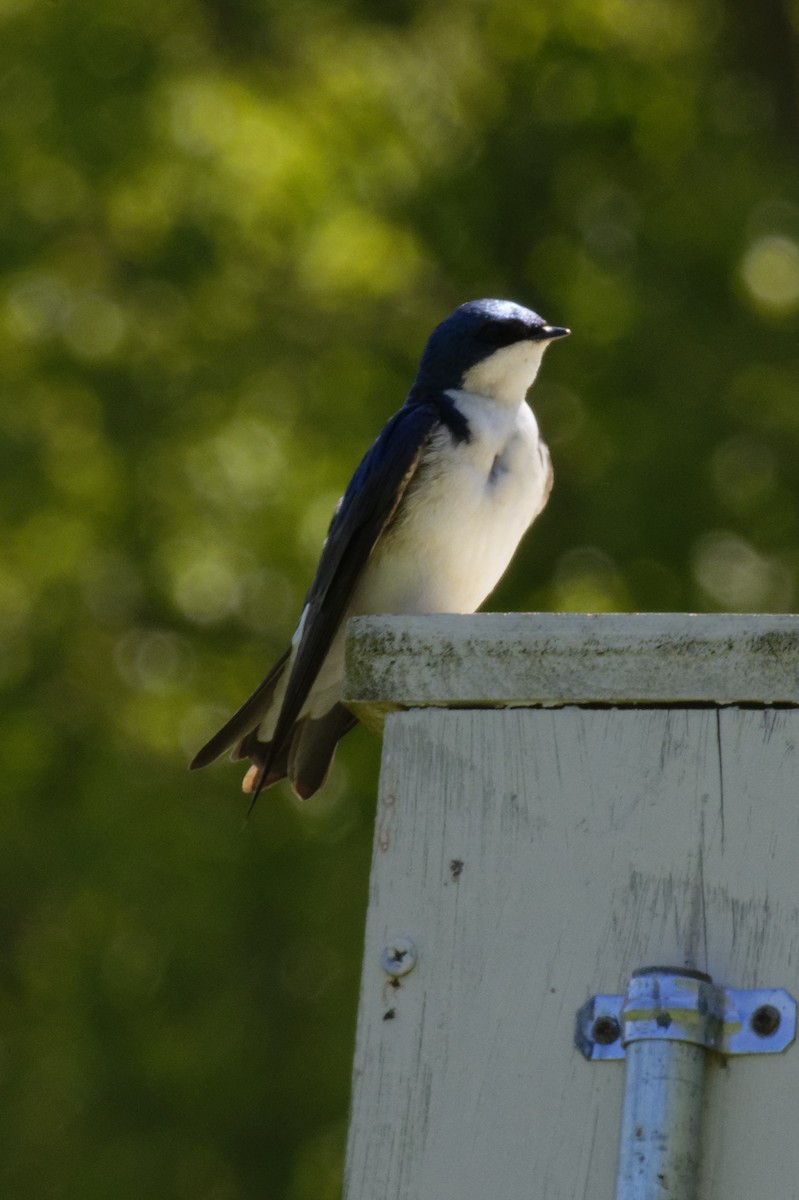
[428, 524]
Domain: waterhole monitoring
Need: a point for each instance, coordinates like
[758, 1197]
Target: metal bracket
[677, 1004]
[663, 1026]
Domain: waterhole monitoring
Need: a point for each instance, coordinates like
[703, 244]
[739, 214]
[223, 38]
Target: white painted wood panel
[536, 856]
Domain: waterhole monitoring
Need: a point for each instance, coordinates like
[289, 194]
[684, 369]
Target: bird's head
[490, 347]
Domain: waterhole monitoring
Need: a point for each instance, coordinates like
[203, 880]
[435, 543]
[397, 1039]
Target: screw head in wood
[399, 956]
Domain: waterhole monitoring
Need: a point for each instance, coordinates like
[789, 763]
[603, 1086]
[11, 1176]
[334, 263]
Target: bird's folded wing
[367, 508]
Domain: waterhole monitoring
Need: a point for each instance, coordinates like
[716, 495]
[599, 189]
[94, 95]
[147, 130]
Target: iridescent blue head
[492, 347]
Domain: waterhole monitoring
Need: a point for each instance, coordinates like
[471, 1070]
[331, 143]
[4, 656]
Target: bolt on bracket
[677, 1004]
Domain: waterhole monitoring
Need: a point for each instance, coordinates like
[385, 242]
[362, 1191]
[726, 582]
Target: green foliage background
[226, 228]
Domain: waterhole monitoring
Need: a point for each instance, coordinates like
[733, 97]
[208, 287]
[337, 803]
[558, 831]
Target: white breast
[463, 515]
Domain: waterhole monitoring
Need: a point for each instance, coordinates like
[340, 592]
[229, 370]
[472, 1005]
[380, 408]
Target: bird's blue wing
[366, 509]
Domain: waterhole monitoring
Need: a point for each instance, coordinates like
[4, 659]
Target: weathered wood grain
[494, 660]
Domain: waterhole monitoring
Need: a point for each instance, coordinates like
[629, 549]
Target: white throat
[507, 374]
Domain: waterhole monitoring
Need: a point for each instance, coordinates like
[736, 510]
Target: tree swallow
[428, 524]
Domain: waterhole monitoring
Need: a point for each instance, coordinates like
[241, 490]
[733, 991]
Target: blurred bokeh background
[226, 228]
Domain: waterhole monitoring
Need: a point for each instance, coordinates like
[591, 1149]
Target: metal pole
[661, 1120]
[669, 1019]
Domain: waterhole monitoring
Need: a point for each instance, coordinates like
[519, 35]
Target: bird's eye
[504, 333]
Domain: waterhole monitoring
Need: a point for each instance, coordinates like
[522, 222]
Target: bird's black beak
[548, 333]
